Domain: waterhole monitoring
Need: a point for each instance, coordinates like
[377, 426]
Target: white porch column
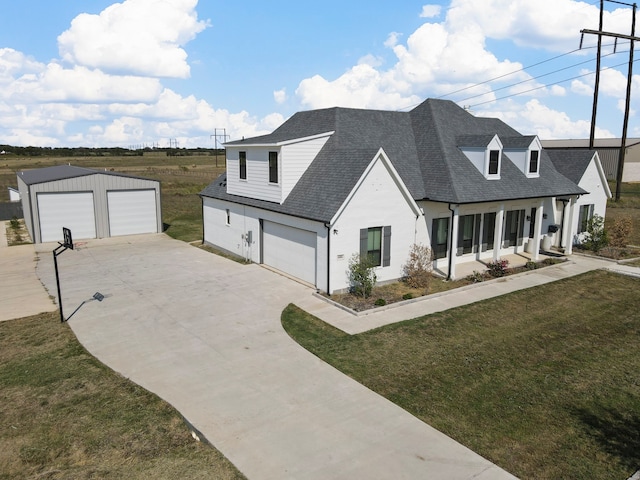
[497, 233]
[538, 230]
[568, 248]
[454, 243]
[566, 224]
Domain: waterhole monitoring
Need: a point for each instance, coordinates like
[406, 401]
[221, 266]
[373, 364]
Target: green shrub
[407, 296]
[381, 302]
[14, 223]
[531, 265]
[362, 275]
[596, 236]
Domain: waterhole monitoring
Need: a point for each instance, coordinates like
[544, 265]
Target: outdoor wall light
[335, 231]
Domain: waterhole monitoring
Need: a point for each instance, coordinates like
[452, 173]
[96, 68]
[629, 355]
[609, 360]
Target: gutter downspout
[450, 243]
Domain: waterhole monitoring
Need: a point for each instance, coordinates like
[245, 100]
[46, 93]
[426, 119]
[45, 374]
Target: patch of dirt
[17, 233]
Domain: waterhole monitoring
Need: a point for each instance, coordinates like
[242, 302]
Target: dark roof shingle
[423, 146]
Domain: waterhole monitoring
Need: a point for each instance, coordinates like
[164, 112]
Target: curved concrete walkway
[204, 333]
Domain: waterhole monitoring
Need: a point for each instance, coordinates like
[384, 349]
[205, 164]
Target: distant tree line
[101, 152]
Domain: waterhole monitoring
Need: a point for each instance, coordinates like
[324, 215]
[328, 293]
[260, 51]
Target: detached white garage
[289, 249]
[91, 203]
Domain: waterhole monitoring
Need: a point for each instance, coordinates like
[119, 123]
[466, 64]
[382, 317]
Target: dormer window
[494, 162]
[533, 161]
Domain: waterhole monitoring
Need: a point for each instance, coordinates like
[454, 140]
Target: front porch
[463, 270]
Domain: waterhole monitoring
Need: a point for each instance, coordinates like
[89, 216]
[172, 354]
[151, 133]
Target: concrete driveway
[204, 333]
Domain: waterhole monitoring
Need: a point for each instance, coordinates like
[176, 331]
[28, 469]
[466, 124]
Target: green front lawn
[544, 382]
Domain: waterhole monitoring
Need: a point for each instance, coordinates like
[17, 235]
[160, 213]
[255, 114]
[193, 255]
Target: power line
[533, 78]
[547, 85]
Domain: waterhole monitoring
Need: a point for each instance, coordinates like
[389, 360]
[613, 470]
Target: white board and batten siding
[70, 199]
[293, 160]
[295, 246]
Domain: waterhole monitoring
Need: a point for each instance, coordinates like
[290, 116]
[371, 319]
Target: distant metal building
[608, 150]
[92, 203]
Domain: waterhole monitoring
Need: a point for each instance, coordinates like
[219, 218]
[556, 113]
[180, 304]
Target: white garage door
[72, 210]
[132, 212]
[290, 250]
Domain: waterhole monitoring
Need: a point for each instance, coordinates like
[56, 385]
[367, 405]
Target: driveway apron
[204, 333]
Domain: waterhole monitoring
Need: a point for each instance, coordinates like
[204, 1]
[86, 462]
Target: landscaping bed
[382, 295]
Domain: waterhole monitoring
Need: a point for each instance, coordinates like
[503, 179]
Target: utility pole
[597, 83]
[632, 39]
[216, 136]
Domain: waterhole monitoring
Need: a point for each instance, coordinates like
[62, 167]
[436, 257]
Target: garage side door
[132, 212]
[290, 250]
[72, 210]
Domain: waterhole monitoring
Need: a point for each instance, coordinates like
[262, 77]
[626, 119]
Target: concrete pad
[204, 333]
[21, 292]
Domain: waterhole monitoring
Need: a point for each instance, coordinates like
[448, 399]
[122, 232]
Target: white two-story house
[333, 182]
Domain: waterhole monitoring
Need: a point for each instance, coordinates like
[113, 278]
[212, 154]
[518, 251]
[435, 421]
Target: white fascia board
[283, 143]
[603, 176]
[394, 175]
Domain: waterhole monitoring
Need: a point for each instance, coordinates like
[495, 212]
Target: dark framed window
[586, 212]
[375, 244]
[488, 231]
[439, 237]
[273, 167]
[533, 161]
[494, 162]
[514, 228]
[243, 165]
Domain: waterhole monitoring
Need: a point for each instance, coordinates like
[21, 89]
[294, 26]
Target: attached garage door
[132, 212]
[290, 250]
[72, 210]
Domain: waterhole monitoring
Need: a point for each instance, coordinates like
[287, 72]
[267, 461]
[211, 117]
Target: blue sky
[146, 72]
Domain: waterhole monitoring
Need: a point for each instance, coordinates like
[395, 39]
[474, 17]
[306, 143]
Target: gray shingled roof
[63, 172]
[572, 163]
[423, 146]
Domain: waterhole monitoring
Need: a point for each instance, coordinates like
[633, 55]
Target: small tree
[417, 270]
[596, 236]
[362, 275]
[620, 230]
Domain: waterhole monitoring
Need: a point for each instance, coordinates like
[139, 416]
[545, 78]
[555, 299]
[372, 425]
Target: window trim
[274, 172]
[382, 257]
[491, 162]
[585, 213]
[440, 250]
[242, 164]
[536, 171]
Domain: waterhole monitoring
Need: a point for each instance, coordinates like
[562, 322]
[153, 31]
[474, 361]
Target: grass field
[67, 416]
[544, 382]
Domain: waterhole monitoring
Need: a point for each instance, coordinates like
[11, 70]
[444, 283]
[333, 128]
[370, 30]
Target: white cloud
[536, 118]
[142, 37]
[430, 11]
[280, 96]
